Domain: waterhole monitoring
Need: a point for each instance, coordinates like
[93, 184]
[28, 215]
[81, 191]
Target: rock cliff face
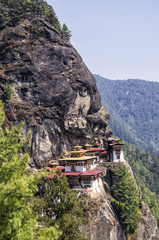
[103, 221]
[53, 91]
[147, 227]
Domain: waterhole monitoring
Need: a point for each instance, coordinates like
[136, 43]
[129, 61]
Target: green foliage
[127, 197]
[16, 187]
[11, 11]
[2, 115]
[66, 33]
[51, 233]
[18, 220]
[7, 92]
[134, 110]
[146, 171]
[60, 205]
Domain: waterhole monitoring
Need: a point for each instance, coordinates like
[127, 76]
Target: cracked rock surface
[53, 91]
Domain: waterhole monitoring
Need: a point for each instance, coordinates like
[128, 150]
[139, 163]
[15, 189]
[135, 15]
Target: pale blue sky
[117, 39]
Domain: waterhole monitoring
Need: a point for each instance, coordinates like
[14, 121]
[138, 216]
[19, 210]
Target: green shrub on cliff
[127, 199]
[7, 92]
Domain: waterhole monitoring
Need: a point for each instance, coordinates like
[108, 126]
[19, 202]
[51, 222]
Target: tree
[66, 33]
[127, 199]
[16, 187]
[61, 205]
[18, 221]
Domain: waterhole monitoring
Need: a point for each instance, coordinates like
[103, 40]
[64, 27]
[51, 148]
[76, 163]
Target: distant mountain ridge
[133, 105]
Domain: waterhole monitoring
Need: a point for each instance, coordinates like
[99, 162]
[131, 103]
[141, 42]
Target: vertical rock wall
[54, 92]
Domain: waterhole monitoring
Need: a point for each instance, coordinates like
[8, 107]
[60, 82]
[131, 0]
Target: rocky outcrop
[147, 227]
[103, 221]
[53, 91]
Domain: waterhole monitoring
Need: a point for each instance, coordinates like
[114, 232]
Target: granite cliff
[54, 93]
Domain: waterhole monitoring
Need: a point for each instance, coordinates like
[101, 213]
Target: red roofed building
[73, 179]
[92, 172]
[90, 178]
[79, 168]
[83, 181]
[95, 152]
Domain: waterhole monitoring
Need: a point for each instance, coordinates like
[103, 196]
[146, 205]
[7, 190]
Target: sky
[117, 39]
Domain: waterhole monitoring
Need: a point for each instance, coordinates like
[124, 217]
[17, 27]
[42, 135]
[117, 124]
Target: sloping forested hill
[134, 117]
[145, 168]
[134, 109]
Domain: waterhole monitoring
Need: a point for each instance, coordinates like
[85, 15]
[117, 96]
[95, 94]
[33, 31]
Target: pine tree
[127, 197]
[66, 33]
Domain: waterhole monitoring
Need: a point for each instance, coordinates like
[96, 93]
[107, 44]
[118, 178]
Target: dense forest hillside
[134, 108]
[145, 168]
[134, 117]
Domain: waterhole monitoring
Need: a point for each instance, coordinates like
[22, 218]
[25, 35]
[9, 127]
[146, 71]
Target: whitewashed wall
[80, 168]
[67, 168]
[77, 169]
[115, 157]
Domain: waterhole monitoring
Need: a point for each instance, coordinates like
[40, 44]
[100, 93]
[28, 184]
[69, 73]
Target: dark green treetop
[66, 33]
[127, 199]
[145, 167]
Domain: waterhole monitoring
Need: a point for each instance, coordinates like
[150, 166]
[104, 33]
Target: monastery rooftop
[77, 158]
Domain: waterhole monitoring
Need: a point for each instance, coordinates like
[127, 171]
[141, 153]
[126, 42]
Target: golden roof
[77, 147]
[87, 144]
[117, 139]
[77, 158]
[77, 152]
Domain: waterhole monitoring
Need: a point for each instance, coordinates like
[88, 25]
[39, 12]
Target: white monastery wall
[67, 168]
[115, 159]
[80, 168]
